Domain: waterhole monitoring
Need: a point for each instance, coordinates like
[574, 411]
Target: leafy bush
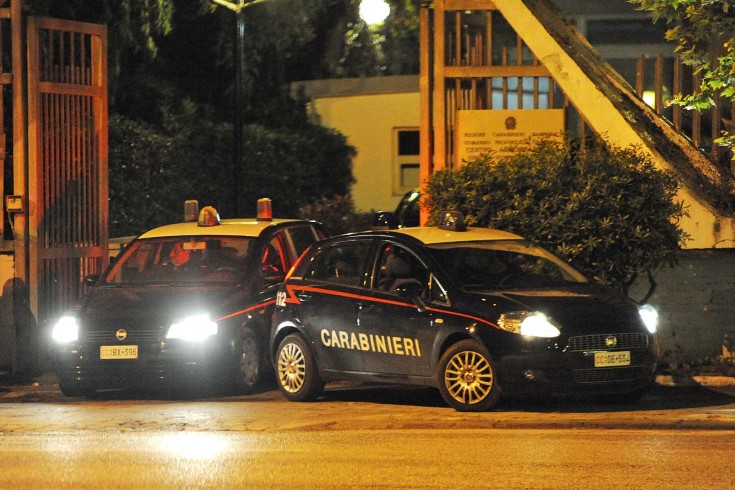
[294, 166]
[139, 177]
[337, 214]
[153, 170]
[606, 210]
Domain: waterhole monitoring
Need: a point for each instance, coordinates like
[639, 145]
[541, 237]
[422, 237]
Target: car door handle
[365, 305]
[303, 296]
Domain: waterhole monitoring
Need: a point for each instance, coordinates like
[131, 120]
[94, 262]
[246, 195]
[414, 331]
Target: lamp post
[239, 57]
[371, 11]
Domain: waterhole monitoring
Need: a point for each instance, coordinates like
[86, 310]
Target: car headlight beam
[66, 329]
[649, 315]
[195, 328]
[529, 324]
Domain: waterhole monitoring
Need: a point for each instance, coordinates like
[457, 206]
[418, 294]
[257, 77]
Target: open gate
[67, 192]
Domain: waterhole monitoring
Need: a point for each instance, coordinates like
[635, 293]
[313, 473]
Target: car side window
[302, 237]
[340, 264]
[400, 269]
[274, 260]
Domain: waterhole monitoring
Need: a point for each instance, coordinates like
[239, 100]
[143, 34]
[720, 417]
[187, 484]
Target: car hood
[154, 306]
[590, 307]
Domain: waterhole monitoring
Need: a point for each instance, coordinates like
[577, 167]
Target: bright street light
[374, 11]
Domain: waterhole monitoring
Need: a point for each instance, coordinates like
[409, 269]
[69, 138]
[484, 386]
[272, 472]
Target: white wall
[368, 121]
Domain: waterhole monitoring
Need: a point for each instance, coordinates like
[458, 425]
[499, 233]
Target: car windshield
[504, 265]
[181, 259]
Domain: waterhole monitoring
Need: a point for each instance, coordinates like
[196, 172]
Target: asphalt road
[479, 458]
[680, 436]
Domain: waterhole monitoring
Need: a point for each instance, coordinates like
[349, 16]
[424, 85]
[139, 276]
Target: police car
[476, 312]
[188, 302]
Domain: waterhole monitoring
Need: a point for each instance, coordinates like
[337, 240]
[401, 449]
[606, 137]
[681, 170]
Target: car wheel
[250, 361]
[296, 370]
[466, 377]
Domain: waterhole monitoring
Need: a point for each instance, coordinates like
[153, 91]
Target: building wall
[367, 111]
[695, 304]
[368, 122]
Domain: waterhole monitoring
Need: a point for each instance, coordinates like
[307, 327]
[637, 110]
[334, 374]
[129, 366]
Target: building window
[405, 160]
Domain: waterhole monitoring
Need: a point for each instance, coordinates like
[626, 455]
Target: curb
[695, 380]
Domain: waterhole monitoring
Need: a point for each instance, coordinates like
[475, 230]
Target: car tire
[249, 363]
[296, 371]
[466, 376]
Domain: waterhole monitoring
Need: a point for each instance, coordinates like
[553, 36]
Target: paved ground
[675, 402]
[47, 383]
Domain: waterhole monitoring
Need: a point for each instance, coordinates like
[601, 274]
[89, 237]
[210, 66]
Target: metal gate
[67, 161]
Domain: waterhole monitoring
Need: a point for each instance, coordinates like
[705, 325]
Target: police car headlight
[528, 323]
[195, 328]
[649, 315]
[66, 329]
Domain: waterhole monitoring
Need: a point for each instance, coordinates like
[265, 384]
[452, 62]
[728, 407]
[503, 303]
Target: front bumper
[163, 363]
[571, 371]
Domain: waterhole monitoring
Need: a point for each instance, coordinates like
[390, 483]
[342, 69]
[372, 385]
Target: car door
[301, 237]
[328, 296]
[400, 332]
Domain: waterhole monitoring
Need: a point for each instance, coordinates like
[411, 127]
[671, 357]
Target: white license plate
[118, 352]
[607, 359]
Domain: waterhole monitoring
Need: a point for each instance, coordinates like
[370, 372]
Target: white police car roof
[249, 227]
[432, 234]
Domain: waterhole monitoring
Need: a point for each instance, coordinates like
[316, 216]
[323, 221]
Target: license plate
[118, 352]
[607, 359]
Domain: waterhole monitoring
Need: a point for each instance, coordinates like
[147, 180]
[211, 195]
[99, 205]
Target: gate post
[20, 172]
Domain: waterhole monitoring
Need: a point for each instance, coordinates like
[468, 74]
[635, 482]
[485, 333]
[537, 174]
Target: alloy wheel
[468, 377]
[291, 368]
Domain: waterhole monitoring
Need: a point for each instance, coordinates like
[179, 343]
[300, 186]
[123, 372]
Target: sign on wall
[503, 132]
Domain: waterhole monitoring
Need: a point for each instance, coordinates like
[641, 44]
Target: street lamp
[374, 11]
[239, 57]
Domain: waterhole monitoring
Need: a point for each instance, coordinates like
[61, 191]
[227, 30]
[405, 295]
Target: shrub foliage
[606, 210]
[337, 214]
[154, 170]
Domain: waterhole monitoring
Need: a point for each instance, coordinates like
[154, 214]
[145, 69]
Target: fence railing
[702, 127]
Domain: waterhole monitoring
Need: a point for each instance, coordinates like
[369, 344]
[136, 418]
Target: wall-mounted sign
[503, 132]
[14, 204]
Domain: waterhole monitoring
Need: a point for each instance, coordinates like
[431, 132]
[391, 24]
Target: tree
[133, 25]
[705, 33]
[170, 107]
[154, 170]
[399, 38]
[609, 212]
[289, 40]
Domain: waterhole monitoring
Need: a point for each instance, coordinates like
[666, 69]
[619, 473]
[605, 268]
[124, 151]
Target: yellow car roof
[431, 234]
[249, 227]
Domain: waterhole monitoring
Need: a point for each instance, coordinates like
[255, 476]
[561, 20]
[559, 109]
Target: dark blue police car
[189, 303]
[478, 313]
